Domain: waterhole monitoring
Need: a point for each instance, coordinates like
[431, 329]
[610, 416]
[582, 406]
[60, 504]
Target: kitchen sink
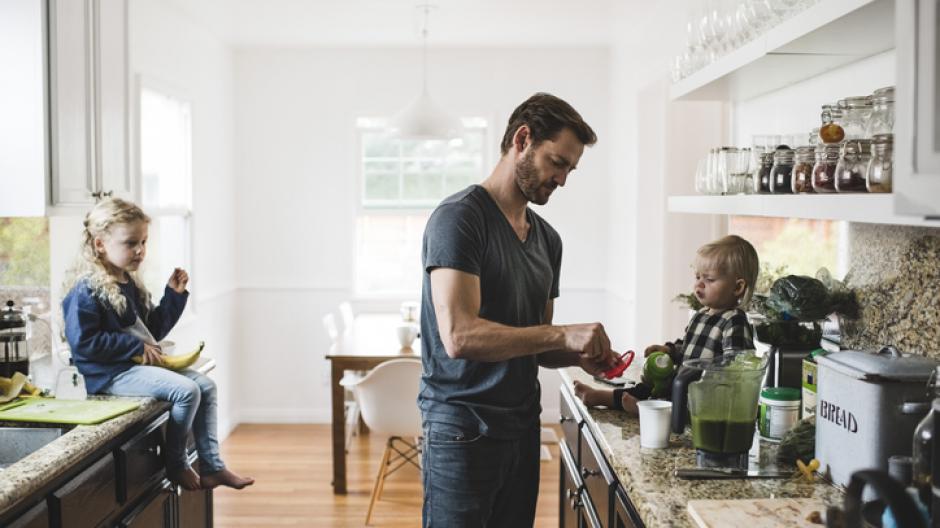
[18, 442]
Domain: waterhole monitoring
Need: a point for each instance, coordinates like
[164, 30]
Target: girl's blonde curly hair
[89, 266]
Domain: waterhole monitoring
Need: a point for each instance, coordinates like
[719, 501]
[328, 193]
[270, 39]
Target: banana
[177, 362]
[5, 384]
[30, 389]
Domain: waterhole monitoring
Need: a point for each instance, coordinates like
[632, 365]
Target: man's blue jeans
[193, 396]
[472, 480]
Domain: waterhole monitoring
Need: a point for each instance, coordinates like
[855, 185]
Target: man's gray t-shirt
[469, 233]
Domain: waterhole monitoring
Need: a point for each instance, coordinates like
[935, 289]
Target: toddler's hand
[178, 280]
[152, 355]
[655, 348]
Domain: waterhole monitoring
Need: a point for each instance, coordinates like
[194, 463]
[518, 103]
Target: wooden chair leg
[379, 479]
[388, 462]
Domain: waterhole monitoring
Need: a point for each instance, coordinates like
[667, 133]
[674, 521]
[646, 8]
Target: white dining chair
[387, 399]
[350, 406]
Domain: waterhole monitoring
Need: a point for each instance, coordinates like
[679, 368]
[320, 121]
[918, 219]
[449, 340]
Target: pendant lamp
[423, 118]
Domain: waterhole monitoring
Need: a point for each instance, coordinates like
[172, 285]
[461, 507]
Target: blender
[722, 406]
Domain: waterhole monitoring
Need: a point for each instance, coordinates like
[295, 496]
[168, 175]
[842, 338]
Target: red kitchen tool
[625, 359]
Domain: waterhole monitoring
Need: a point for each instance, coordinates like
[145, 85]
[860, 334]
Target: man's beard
[527, 180]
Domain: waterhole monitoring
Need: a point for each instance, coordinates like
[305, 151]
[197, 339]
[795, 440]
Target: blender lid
[11, 317]
[886, 365]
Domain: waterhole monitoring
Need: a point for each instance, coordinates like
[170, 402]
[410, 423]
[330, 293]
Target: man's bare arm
[456, 296]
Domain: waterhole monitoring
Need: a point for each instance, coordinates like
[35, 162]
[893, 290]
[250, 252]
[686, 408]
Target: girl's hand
[152, 355]
[655, 348]
[178, 280]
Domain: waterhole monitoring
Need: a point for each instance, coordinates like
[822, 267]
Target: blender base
[707, 459]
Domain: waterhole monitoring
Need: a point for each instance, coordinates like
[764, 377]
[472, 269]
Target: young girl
[725, 275]
[109, 320]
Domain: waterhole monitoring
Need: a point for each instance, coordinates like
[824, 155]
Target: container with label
[809, 382]
[779, 412]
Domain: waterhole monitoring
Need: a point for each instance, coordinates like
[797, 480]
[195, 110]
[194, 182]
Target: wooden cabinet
[154, 512]
[590, 494]
[121, 484]
[88, 96]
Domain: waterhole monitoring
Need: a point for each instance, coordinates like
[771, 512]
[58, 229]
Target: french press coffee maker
[14, 333]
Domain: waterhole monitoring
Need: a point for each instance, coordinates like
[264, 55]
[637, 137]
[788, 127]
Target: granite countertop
[647, 474]
[31, 473]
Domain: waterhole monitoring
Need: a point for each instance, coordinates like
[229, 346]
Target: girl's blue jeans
[193, 396]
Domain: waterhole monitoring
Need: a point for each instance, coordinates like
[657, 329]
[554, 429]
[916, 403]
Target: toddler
[725, 275]
[109, 319]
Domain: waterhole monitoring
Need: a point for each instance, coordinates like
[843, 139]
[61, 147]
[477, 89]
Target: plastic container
[779, 412]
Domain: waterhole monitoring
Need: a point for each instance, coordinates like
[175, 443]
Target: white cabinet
[88, 92]
[917, 129]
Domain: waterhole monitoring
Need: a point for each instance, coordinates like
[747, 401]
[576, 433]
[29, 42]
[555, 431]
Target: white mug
[406, 335]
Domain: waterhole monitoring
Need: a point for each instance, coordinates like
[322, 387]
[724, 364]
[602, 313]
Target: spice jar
[882, 113]
[882, 164]
[782, 171]
[855, 114]
[830, 131]
[824, 171]
[762, 175]
[802, 179]
[853, 166]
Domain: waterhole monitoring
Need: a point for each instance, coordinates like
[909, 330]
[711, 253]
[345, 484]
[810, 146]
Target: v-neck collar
[507, 223]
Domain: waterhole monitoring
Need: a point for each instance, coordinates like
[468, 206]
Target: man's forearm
[483, 340]
[559, 359]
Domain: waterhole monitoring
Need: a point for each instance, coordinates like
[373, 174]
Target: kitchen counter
[32, 473]
[647, 474]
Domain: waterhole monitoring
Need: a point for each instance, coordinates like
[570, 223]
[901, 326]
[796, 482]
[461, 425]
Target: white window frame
[362, 126]
[146, 82]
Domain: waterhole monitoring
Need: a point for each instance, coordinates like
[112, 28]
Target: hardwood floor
[293, 466]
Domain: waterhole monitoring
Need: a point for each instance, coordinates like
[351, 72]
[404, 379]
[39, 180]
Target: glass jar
[855, 114]
[824, 171]
[881, 167]
[762, 174]
[882, 113]
[782, 171]
[853, 166]
[802, 179]
[830, 130]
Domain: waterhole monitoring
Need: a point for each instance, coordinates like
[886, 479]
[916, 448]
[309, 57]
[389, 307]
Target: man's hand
[152, 355]
[592, 366]
[590, 341]
[178, 280]
[655, 348]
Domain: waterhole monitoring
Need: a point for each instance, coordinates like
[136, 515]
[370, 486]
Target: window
[792, 246]
[165, 182]
[401, 182]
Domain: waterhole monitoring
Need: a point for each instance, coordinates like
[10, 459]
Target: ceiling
[371, 23]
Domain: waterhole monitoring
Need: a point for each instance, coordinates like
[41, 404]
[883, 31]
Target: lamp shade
[424, 119]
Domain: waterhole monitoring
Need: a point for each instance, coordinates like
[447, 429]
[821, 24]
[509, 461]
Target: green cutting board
[50, 410]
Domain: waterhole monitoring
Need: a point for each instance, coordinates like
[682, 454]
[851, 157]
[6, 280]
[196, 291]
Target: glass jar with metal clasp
[824, 170]
[853, 166]
[855, 114]
[881, 120]
[881, 166]
[782, 171]
[802, 179]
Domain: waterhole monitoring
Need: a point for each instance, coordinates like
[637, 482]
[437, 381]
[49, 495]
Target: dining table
[371, 340]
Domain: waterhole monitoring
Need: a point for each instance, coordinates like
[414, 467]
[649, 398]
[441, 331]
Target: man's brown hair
[546, 116]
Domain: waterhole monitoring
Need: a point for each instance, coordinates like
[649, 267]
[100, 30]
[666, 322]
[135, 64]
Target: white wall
[296, 153]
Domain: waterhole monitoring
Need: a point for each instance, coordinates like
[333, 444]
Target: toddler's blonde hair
[734, 256]
[89, 265]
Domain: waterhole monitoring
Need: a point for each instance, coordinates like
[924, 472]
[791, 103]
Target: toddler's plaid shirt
[708, 336]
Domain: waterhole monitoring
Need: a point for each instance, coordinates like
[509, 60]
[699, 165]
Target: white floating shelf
[827, 35]
[866, 208]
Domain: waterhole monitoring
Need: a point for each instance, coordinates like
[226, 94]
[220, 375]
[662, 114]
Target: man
[491, 275]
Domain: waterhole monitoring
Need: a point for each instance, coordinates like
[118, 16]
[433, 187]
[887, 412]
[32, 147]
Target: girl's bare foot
[592, 397]
[225, 478]
[187, 478]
